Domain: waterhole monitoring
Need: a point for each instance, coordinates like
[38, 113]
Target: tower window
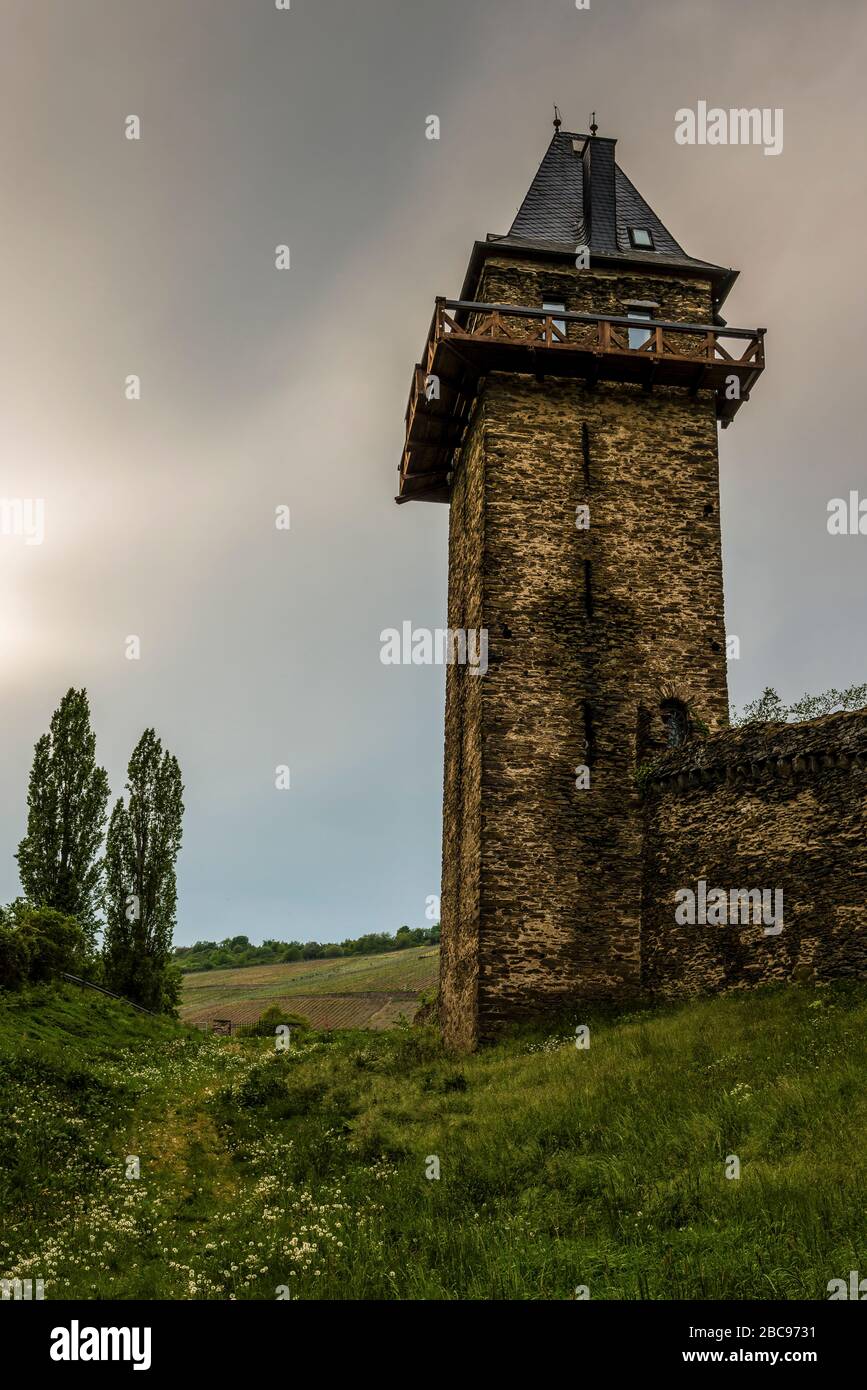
[552, 306]
[638, 336]
[641, 238]
[675, 718]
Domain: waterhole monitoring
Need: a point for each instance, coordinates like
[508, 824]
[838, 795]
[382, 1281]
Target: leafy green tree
[812, 706]
[14, 958]
[38, 942]
[144, 838]
[58, 859]
[769, 708]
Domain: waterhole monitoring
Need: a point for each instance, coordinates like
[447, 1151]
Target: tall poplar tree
[58, 859]
[144, 837]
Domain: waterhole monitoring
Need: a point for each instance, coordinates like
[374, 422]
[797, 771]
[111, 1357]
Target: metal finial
[593, 126]
[557, 119]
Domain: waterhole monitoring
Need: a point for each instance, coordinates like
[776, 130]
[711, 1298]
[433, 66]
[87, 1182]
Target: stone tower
[566, 408]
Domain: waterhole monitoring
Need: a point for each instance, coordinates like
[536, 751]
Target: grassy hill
[358, 991]
[558, 1167]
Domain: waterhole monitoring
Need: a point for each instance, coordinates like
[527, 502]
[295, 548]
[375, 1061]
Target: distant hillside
[357, 992]
[311, 1170]
[237, 951]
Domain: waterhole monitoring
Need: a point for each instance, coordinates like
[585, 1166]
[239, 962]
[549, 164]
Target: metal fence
[88, 984]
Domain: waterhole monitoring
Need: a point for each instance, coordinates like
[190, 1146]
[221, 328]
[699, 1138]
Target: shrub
[269, 1021]
[55, 942]
[262, 1086]
[38, 942]
[14, 958]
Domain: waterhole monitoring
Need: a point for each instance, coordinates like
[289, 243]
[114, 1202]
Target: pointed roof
[581, 197]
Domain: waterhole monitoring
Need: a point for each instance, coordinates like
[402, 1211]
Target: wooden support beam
[469, 339]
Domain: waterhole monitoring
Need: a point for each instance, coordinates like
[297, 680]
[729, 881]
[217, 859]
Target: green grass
[414, 969]
[559, 1167]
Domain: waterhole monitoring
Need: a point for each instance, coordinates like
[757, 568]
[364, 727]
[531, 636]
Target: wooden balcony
[467, 340]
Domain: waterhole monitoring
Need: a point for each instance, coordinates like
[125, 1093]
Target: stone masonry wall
[588, 631]
[529, 283]
[762, 806]
[458, 1005]
[571, 670]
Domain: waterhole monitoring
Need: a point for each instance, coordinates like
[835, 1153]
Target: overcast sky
[263, 387]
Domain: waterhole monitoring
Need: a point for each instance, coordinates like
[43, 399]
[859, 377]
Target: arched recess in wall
[673, 722]
[674, 714]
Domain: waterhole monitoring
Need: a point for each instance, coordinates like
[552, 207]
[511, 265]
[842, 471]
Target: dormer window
[640, 238]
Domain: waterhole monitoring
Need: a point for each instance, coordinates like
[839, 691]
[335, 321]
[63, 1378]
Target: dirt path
[180, 1141]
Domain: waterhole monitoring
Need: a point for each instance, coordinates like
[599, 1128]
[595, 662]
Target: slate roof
[552, 215]
[553, 209]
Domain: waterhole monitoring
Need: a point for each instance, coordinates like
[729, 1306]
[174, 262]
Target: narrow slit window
[589, 733]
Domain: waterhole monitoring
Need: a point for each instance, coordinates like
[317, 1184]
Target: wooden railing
[468, 339]
[463, 318]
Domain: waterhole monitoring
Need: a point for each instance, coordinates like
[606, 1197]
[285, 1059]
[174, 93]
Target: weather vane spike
[557, 121]
[593, 126]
